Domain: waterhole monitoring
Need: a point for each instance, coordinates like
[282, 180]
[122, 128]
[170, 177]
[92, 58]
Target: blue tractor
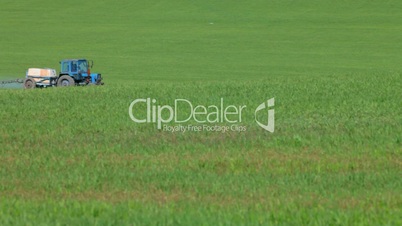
[77, 72]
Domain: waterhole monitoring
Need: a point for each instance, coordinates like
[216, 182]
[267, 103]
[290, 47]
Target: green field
[73, 156]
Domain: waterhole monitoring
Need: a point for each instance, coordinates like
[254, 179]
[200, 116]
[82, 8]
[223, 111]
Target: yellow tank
[37, 73]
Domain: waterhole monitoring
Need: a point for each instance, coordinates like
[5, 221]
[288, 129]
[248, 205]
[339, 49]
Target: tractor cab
[73, 67]
[79, 71]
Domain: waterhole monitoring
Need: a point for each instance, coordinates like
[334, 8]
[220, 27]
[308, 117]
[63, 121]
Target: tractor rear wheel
[65, 80]
[29, 83]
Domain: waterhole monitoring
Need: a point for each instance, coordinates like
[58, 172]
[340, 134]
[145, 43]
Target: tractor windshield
[82, 65]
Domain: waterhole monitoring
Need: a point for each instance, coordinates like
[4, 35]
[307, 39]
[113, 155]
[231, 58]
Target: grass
[72, 156]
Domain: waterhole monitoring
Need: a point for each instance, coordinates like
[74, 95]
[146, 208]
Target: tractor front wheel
[65, 80]
[29, 83]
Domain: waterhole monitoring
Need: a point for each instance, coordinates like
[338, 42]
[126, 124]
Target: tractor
[72, 72]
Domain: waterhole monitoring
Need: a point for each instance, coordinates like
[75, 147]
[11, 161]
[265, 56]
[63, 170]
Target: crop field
[74, 156]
